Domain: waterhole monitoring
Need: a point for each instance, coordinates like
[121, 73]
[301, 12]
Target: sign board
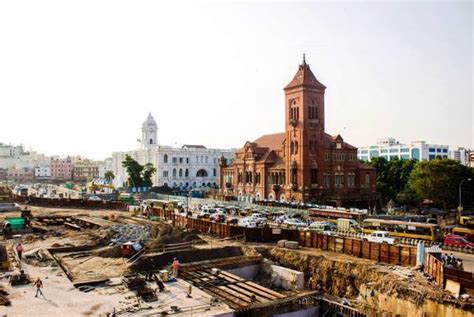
[276, 231]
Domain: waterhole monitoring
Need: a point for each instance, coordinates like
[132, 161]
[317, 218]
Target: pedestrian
[39, 286]
[176, 265]
[19, 250]
[460, 265]
[452, 258]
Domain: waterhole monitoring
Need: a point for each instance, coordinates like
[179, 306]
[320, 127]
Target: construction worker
[19, 250]
[39, 285]
[176, 265]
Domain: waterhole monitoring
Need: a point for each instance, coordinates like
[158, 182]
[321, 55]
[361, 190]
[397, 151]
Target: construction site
[98, 262]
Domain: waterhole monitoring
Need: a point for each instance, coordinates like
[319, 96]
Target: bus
[151, 207]
[318, 214]
[403, 229]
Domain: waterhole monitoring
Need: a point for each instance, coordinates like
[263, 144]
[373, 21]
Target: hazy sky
[79, 77]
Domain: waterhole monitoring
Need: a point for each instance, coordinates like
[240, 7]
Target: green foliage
[148, 172]
[109, 176]
[438, 180]
[138, 175]
[392, 177]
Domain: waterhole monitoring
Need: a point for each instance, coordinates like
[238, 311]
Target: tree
[392, 177]
[109, 176]
[138, 175]
[134, 171]
[438, 180]
[148, 172]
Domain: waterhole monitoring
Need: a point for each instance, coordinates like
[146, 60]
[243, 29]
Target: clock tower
[149, 133]
[304, 129]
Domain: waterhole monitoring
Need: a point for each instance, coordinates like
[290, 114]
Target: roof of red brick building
[271, 141]
[304, 77]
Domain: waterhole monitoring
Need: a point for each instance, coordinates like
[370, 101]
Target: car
[94, 198]
[203, 214]
[295, 222]
[457, 241]
[232, 221]
[380, 237]
[217, 217]
[321, 226]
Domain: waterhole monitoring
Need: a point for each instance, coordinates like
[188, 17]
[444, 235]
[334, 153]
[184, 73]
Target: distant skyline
[79, 78]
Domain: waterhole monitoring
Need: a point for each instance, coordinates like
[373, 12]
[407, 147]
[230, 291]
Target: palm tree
[109, 176]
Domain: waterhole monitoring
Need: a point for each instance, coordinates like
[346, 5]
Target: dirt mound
[109, 252]
[166, 234]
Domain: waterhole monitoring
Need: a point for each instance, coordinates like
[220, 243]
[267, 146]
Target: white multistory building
[189, 166]
[461, 155]
[105, 166]
[390, 148]
[43, 171]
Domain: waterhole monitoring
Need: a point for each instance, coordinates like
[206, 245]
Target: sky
[79, 77]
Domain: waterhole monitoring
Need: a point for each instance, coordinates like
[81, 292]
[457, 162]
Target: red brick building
[304, 163]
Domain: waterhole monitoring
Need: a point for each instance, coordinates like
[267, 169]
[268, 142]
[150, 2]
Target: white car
[94, 198]
[295, 222]
[380, 237]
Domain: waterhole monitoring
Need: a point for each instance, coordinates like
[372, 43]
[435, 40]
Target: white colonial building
[189, 166]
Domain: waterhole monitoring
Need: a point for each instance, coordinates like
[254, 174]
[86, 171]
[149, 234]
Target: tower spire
[304, 59]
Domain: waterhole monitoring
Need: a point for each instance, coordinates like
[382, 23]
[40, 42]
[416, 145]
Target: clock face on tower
[151, 130]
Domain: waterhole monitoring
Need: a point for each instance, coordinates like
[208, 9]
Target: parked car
[94, 198]
[457, 241]
[217, 217]
[321, 226]
[380, 237]
[295, 222]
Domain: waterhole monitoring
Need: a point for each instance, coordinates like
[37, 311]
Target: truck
[380, 237]
[344, 224]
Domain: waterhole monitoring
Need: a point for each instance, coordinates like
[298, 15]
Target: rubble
[127, 232]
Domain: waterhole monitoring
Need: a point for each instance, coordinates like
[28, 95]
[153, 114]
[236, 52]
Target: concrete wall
[283, 277]
[246, 272]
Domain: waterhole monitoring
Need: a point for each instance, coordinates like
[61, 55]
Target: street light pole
[460, 192]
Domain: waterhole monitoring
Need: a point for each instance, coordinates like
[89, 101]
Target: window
[294, 113]
[187, 160]
[445, 150]
[214, 172]
[292, 147]
[180, 160]
[312, 147]
[432, 150]
[367, 179]
[404, 149]
[327, 156]
[327, 180]
[313, 112]
[175, 160]
[393, 150]
[165, 174]
[174, 172]
[186, 173]
[364, 152]
[151, 141]
[180, 172]
[432, 157]
[384, 151]
[350, 180]
[314, 176]
[339, 180]
[296, 147]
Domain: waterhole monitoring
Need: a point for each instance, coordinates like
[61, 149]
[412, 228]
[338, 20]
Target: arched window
[165, 158]
[174, 172]
[214, 172]
[186, 173]
[201, 173]
[296, 147]
[292, 147]
[180, 172]
[151, 141]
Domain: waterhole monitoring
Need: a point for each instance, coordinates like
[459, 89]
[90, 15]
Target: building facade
[304, 163]
[43, 172]
[84, 170]
[186, 167]
[390, 148]
[462, 155]
[20, 175]
[61, 168]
